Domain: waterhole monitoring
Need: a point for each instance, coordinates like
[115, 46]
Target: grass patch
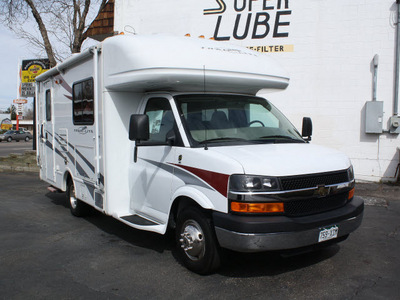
[19, 162]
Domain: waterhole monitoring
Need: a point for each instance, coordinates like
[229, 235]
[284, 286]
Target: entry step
[138, 220]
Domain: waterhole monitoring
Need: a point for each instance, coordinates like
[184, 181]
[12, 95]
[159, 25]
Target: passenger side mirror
[307, 129]
[139, 128]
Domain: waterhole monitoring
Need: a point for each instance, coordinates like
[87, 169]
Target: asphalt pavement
[15, 147]
[46, 253]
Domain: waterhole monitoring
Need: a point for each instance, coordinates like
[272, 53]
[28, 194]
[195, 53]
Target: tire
[76, 206]
[196, 243]
[26, 139]
[9, 139]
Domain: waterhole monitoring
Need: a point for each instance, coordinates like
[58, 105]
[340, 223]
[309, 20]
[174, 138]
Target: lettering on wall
[257, 20]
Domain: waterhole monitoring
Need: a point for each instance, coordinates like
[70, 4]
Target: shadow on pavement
[235, 264]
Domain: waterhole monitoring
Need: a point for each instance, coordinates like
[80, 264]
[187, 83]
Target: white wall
[328, 51]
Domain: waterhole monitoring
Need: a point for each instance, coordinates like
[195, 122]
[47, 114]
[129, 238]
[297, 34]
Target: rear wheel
[9, 139]
[196, 242]
[77, 207]
[27, 139]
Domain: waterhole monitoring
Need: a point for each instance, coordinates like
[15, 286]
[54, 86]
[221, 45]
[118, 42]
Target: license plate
[328, 233]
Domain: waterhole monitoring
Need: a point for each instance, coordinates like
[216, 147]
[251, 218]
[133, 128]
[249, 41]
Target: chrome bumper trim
[249, 242]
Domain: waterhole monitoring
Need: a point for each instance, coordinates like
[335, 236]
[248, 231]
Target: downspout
[95, 51]
[396, 88]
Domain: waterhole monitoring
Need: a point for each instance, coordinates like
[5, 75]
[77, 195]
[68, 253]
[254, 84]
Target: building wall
[326, 46]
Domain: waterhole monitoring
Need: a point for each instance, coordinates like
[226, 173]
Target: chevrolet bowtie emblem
[322, 191]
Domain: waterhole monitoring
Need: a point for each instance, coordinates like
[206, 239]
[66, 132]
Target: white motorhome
[167, 132]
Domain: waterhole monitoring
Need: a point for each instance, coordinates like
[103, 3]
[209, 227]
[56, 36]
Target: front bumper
[264, 233]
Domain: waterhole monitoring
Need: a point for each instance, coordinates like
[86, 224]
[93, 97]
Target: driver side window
[161, 121]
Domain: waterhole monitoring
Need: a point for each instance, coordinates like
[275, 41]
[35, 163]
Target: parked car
[16, 135]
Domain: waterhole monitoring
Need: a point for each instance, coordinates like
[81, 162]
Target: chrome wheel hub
[192, 240]
[72, 198]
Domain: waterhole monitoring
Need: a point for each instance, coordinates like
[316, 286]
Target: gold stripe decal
[219, 10]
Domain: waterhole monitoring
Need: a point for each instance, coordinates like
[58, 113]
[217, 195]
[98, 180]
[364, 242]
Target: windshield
[222, 119]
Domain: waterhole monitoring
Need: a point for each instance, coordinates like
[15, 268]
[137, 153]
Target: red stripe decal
[217, 180]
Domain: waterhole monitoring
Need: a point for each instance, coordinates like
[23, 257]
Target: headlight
[253, 183]
[350, 173]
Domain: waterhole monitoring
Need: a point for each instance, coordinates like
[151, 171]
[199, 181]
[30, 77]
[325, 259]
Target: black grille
[313, 180]
[296, 208]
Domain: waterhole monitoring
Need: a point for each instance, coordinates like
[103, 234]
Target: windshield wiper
[223, 139]
[281, 138]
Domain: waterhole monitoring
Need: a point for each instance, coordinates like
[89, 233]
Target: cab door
[151, 175]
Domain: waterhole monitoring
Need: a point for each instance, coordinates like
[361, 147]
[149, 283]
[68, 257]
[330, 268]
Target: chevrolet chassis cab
[164, 132]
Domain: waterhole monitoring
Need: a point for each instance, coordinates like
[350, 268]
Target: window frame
[48, 105]
[150, 142]
[74, 99]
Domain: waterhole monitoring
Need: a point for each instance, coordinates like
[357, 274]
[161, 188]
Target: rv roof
[169, 63]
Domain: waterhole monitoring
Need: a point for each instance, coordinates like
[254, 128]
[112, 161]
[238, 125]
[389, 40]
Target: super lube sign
[250, 19]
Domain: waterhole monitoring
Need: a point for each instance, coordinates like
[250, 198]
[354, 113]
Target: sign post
[20, 103]
[29, 70]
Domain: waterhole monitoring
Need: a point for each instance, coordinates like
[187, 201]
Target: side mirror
[306, 131]
[139, 128]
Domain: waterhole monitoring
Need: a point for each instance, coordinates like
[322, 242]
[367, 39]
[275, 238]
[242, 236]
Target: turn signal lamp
[273, 207]
[187, 34]
[351, 194]
[201, 36]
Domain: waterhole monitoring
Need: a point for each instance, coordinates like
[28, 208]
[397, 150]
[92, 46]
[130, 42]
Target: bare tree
[60, 24]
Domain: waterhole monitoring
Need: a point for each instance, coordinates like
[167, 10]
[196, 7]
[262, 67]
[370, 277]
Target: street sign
[20, 101]
[27, 89]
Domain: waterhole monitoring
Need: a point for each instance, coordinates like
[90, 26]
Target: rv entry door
[47, 133]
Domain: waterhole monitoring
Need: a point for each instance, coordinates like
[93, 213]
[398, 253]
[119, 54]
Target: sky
[12, 51]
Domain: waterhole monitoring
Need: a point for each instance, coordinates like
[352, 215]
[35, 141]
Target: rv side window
[161, 121]
[48, 105]
[83, 108]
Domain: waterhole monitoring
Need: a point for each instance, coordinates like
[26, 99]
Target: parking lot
[46, 253]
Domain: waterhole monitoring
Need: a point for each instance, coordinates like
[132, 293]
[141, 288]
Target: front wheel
[196, 242]
[9, 139]
[27, 139]
[77, 207]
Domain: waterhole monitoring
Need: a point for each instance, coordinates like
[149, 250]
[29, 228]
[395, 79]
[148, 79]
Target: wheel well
[180, 204]
[67, 179]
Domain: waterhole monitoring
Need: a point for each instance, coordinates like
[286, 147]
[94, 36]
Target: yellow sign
[33, 68]
[6, 124]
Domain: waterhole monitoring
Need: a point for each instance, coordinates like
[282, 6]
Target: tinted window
[83, 103]
[234, 119]
[48, 105]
